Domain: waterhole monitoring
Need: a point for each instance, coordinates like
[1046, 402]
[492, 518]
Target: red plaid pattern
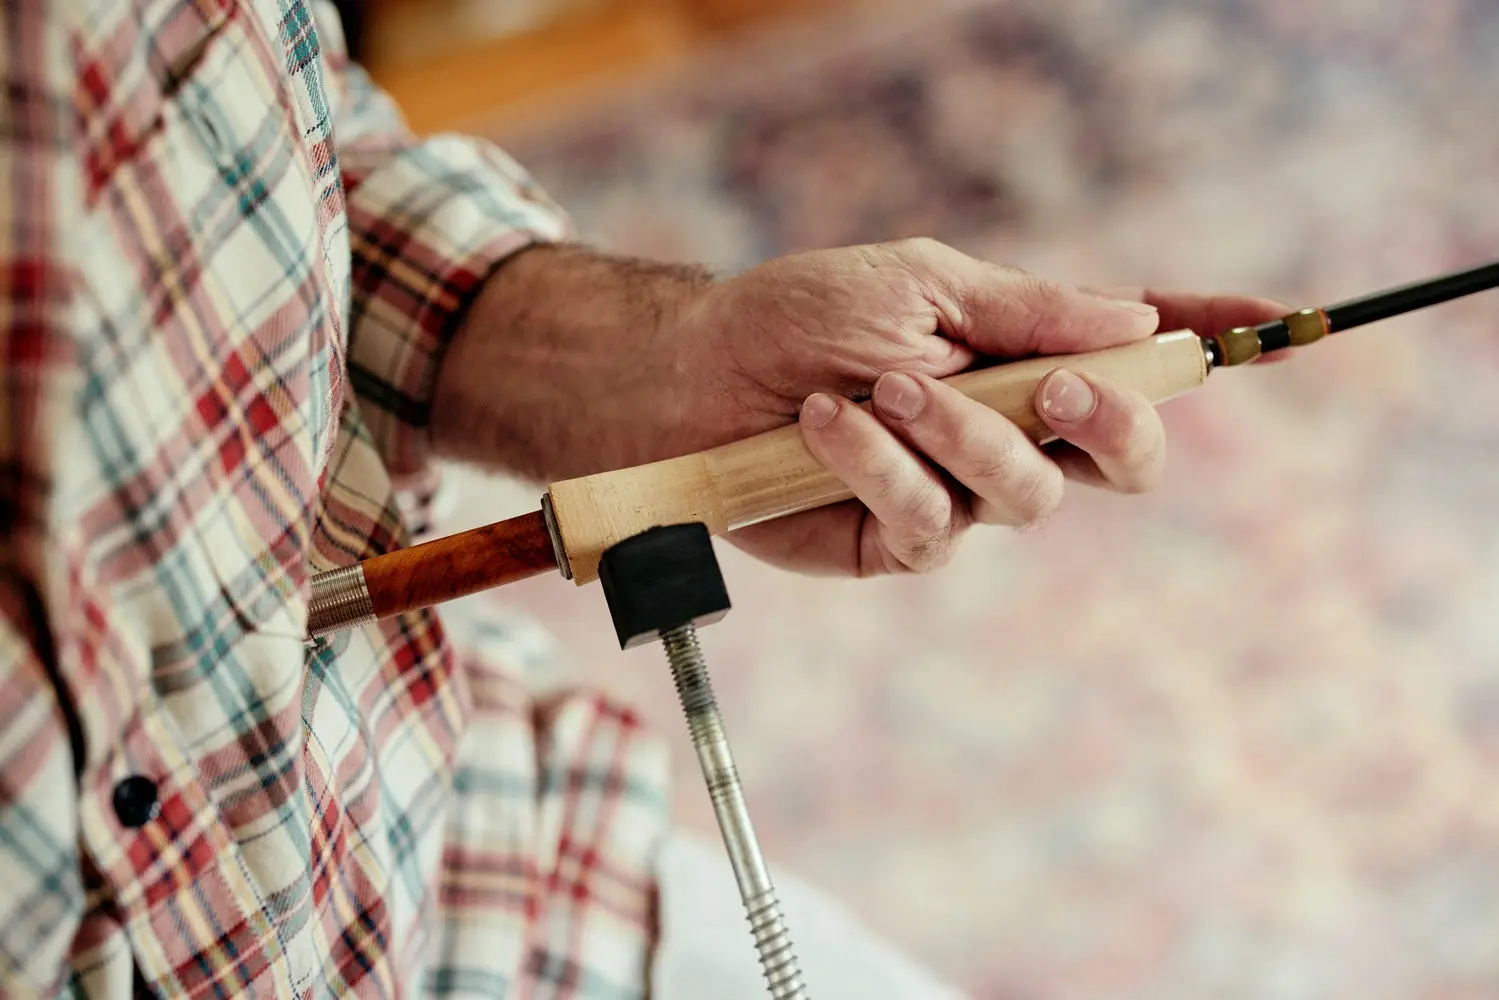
[227, 274]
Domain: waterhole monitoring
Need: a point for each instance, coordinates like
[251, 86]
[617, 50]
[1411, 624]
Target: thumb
[1007, 312]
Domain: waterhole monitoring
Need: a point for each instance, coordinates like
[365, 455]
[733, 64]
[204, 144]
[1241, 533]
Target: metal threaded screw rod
[772, 940]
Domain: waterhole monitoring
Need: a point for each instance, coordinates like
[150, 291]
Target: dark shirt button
[135, 800]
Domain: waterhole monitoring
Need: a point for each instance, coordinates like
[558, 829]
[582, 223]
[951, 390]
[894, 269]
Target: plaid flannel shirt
[226, 277]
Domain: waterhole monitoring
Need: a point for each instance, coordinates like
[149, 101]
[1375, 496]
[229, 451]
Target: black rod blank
[1407, 298]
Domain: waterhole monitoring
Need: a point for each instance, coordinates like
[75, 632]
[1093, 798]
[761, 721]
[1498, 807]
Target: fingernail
[1138, 308]
[818, 410]
[898, 395]
[1067, 398]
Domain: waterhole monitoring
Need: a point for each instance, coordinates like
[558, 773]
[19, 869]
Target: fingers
[1011, 481]
[1116, 434]
[890, 458]
[1006, 312]
[918, 517]
[1203, 314]
[1118, 437]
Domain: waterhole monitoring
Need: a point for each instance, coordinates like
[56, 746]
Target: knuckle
[1036, 496]
[989, 461]
[927, 514]
[918, 246]
[924, 558]
[1027, 491]
[927, 553]
[1035, 303]
[1041, 292]
[1013, 274]
[926, 257]
[879, 480]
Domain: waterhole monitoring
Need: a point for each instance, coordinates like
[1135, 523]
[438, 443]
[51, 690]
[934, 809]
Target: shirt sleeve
[429, 220]
[41, 897]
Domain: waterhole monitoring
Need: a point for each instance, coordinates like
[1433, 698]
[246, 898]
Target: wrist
[568, 361]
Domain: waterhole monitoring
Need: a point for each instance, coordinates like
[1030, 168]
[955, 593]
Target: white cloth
[706, 952]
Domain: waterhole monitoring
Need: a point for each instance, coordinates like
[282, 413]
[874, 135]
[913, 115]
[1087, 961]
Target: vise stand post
[663, 583]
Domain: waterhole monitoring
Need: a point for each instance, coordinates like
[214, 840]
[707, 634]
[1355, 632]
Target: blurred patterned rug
[1237, 739]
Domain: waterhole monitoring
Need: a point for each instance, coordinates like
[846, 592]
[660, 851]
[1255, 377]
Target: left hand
[801, 334]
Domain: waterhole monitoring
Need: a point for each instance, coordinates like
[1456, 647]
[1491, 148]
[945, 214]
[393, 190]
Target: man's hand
[603, 373]
[801, 334]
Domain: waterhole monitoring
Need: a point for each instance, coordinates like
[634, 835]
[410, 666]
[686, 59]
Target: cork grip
[773, 474]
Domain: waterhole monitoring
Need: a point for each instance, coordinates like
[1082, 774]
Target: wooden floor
[449, 72]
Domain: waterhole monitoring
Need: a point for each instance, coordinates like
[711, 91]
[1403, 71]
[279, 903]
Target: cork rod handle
[773, 474]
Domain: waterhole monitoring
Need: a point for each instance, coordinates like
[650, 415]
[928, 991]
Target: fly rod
[773, 474]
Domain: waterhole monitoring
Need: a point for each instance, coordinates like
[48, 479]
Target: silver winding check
[559, 550]
[340, 600]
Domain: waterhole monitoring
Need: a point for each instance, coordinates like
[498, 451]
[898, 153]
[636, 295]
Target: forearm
[566, 364]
